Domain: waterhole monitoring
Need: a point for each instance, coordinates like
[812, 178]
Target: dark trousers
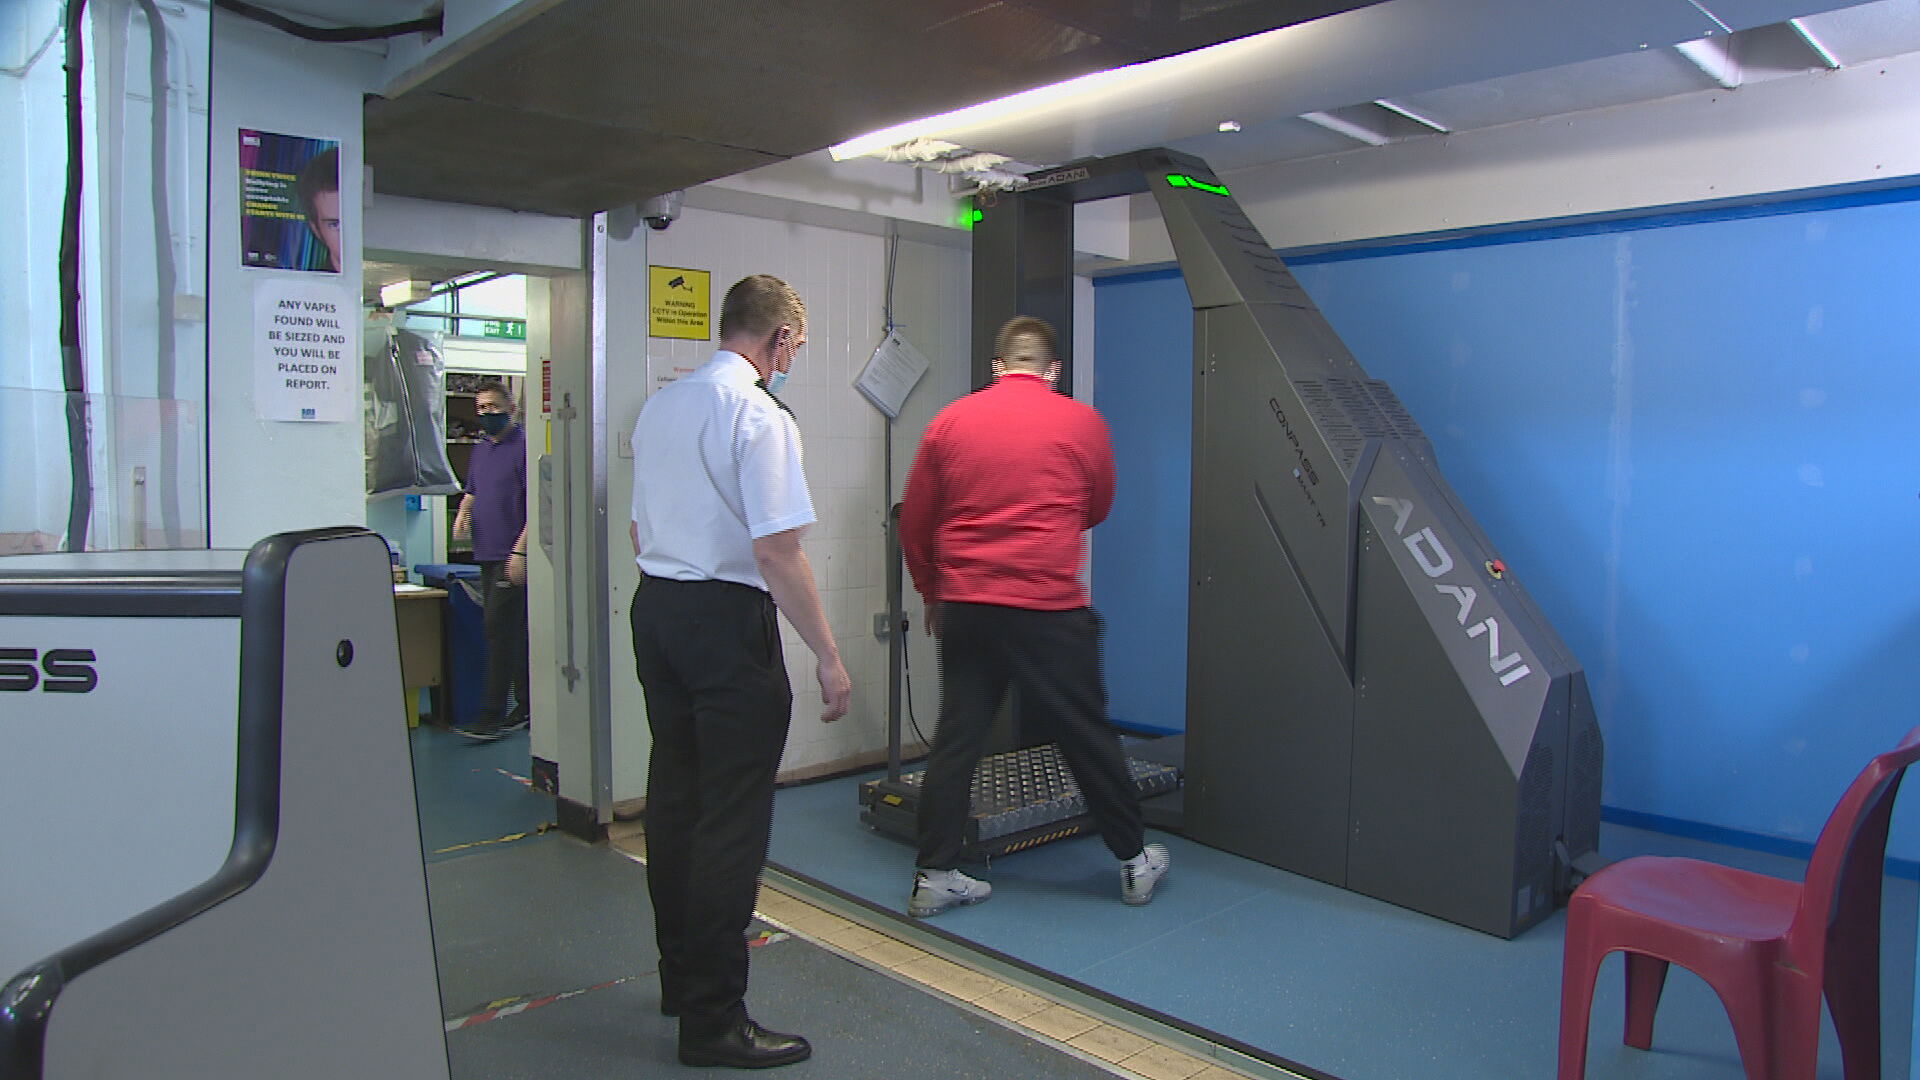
[709, 660]
[1054, 658]
[504, 614]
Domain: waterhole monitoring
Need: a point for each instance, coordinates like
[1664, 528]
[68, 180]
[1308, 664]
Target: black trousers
[1054, 658]
[709, 660]
[504, 616]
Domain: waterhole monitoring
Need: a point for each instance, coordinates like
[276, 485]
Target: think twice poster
[289, 202]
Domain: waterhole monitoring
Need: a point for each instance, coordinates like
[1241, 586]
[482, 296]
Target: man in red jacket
[1004, 485]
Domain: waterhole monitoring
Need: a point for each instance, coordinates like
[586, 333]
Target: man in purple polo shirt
[495, 512]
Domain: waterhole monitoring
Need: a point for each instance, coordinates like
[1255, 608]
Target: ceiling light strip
[1702, 9]
[1806, 35]
[1425, 121]
[1072, 91]
[1713, 57]
[986, 112]
[1345, 127]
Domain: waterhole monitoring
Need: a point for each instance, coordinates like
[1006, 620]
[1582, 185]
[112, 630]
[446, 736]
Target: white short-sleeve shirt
[716, 466]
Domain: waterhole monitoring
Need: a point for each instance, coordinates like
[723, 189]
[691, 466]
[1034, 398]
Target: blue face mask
[496, 423]
[775, 381]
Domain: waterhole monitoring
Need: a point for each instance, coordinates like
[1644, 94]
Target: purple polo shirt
[497, 480]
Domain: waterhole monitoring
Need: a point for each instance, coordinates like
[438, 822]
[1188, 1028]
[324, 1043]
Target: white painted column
[268, 476]
[624, 386]
[592, 326]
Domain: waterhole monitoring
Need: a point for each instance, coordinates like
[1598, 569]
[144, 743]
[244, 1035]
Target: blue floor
[472, 792]
[1346, 985]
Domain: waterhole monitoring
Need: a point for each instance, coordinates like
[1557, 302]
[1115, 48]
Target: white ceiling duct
[982, 170]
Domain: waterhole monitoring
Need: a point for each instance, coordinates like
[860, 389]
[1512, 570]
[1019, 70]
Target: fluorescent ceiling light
[399, 293]
[1083, 89]
[987, 112]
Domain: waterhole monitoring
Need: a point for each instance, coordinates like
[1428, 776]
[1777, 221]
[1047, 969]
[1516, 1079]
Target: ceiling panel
[675, 74]
[596, 103]
[1642, 75]
[1282, 138]
[1464, 63]
[1155, 28]
[1745, 14]
[464, 151]
[1385, 51]
[1870, 31]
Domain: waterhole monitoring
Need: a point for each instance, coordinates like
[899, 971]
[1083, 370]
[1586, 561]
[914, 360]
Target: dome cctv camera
[661, 210]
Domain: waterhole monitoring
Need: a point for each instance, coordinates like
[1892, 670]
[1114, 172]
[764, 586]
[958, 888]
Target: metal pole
[599, 644]
[566, 414]
[460, 316]
[896, 615]
[896, 619]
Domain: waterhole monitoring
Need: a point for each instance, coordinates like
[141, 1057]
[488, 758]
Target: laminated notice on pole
[892, 372]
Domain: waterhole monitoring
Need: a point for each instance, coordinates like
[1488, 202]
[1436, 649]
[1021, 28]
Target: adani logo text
[1436, 562]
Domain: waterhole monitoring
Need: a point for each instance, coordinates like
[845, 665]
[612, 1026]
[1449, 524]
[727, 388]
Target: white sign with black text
[892, 372]
[306, 355]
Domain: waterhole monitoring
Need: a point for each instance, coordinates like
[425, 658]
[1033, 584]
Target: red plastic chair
[1767, 946]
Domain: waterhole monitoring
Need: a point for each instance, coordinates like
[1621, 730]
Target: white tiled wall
[842, 277]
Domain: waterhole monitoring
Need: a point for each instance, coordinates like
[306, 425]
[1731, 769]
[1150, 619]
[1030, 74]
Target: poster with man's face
[289, 202]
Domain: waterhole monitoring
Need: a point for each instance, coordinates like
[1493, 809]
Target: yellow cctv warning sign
[681, 303]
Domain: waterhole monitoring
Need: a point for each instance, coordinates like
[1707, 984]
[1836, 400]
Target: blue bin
[465, 635]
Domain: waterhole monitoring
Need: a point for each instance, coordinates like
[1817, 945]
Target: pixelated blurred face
[325, 223]
[791, 340]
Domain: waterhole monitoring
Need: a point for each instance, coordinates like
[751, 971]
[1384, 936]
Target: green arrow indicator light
[1178, 180]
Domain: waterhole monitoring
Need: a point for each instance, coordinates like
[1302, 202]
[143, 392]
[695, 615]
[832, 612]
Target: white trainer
[934, 891]
[1141, 873]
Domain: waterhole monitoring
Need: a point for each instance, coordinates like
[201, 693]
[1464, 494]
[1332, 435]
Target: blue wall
[1143, 348]
[1697, 441]
[406, 524]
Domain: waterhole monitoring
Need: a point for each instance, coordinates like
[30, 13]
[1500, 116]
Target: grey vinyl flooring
[550, 916]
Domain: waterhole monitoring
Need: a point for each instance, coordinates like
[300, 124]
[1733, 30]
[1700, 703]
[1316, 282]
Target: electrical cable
[893, 259]
[72, 363]
[906, 666]
[430, 24]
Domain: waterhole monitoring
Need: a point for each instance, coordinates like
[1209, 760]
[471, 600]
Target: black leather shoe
[744, 1045]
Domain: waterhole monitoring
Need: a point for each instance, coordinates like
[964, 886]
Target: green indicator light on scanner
[978, 215]
[1177, 180]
